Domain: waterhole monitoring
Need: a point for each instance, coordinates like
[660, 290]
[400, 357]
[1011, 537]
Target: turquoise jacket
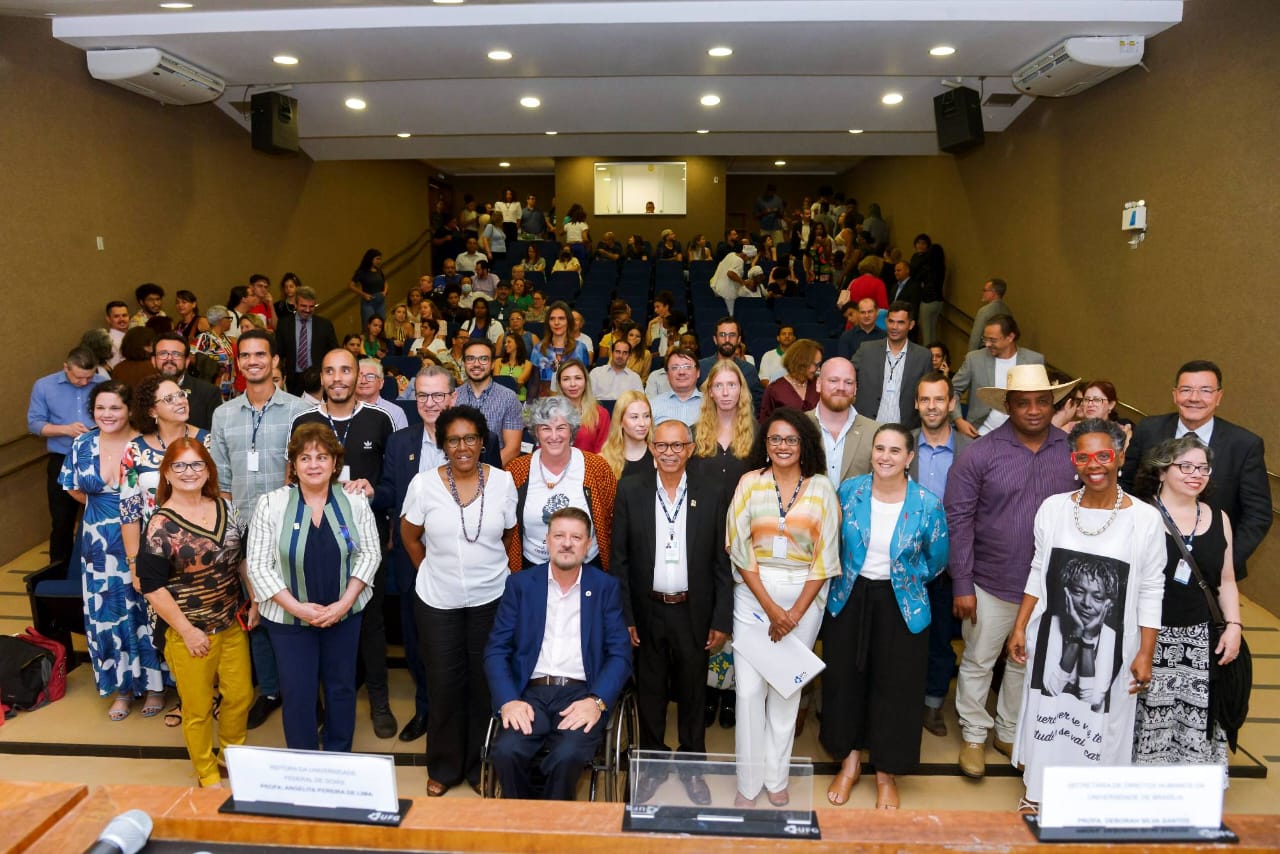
[918, 549]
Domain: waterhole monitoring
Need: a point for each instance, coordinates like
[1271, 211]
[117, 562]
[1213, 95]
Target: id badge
[345, 475]
[670, 553]
[891, 386]
[252, 460]
[780, 547]
[1182, 574]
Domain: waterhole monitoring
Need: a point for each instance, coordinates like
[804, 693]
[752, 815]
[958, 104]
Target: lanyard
[342, 437]
[257, 415]
[672, 518]
[1186, 538]
[893, 363]
[783, 511]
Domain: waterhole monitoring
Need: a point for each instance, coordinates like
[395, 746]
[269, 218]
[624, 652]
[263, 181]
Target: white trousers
[766, 727]
[983, 643]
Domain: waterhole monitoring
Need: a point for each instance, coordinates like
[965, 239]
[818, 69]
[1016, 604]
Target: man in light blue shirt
[683, 402]
[59, 412]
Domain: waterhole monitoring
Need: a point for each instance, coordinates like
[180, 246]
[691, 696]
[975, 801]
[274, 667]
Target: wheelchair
[611, 766]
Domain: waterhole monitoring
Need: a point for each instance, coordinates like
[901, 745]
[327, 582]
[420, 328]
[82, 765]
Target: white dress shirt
[561, 653]
[1204, 431]
[833, 445]
[671, 555]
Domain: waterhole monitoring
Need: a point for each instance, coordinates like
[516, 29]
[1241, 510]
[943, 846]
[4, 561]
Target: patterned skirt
[1172, 726]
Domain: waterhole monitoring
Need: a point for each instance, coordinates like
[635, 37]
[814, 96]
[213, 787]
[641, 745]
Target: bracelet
[1233, 623]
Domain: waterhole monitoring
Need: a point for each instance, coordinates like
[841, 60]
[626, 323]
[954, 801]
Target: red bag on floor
[57, 687]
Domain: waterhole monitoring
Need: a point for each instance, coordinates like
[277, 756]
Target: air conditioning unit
[152, 72]
[1078, 63]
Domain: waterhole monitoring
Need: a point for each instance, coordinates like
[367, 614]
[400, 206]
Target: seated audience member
[627, 448]
[797, 387]
[136, 348]
[668, 248]
[515, 326]
[484, 281]
[501, 306]
[312, 555]
[655, 332]
[533, 261]
[373, 344]
[466, 261]
[553, 685]
[521, 293]
[482, 323]
[609, 381]
[538, 308]
[770, 367]
[697, 249]
[449, 276]
[567, 262]
[675, 393]
[609, 249]
[150, 298]
[753, 285]
[574, 386]
[514, 363]
[557, 475]
[782, 283]
[641, 359]
[637, 248]
[732, 243]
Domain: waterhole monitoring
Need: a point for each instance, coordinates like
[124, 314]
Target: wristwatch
[600, 704]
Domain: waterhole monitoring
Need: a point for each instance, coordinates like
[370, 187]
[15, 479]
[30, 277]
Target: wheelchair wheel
[489, 787]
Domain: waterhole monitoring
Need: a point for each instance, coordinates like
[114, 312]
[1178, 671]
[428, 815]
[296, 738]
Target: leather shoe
[712, 706]
[973, 760]
[699, 791]
[384, 723]
[933, 721]
[262, 709]
[728, 709]
[1003, 746]
[414, 729]
[647, 786]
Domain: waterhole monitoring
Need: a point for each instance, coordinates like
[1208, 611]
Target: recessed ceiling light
[447, 2]
[779, 163]
[720, 51]
[607, 178]
[285, 59]
[710, 100]
[551, 132]
[855, 130]
[602, 168]
[504, 164]
[176, 5]
[891, 98]
[355, 104]
[530, 102]
[942, 50]
[499, 55]
[703, 130]
[404, 135]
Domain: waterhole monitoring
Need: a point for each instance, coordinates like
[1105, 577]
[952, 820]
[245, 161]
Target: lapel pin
[297, 527]
[587, 594]
[693, 502]
[412, 457]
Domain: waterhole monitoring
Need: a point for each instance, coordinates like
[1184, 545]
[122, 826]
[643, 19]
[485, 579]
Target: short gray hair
[437, 371]
[372, 364]
[665, 421]
[1098, 425]
[305, 292]
[216, 314]
[544, 410]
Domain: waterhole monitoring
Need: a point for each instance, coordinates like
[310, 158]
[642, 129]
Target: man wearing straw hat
[993, 492]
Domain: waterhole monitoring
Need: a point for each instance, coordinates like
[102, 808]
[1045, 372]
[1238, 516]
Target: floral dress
[139, 477]
[117, 627]
[221, 350]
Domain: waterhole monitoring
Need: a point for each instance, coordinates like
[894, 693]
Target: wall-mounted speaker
[958, 116]
[274, 117]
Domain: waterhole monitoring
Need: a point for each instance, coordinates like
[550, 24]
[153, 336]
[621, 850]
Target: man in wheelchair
[557, 659]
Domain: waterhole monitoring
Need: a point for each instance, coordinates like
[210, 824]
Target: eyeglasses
[1203, 469]
[789, 441]
[986, 341]
[180, 466]
[1189, 391]
[1095, 400]
[476, 360]
[370, 377]
[1105, 456]
[433, 396]
[471, 440]
[663, 447]
[173, 398]
[679, 369]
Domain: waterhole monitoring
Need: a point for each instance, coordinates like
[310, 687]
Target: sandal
[842, 785]
[780, 799]
[154, 704]
[1026, 807]
[217, 706]
[436, 789]
[741, 801]
[173, 717]
[886, 796]
[120, 708]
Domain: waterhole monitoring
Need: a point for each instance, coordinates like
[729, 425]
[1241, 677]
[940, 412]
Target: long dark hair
[813, 459]
[366, 263]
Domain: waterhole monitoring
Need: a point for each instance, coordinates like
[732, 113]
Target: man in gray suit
[988, 368]
[937, 447]
[846, 435]
[888, 371]
[992, 304]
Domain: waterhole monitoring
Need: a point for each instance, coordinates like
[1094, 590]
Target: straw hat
[1024, 378]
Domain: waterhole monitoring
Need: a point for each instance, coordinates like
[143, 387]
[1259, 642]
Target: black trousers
[568, 750]
[671, 662]
[451, 643]
[373, 633]
[873, 687]
[63, 511]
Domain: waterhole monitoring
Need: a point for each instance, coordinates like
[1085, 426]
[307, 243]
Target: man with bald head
[846, 434]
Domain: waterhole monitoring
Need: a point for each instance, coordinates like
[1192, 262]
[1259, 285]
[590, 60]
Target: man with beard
[363, 431]
[557, 660]
[728, 334]
[170, 356]
[846, 434]
[498, 404]
[937, 447]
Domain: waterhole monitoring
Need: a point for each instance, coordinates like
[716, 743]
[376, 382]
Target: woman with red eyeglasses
[1089, 616]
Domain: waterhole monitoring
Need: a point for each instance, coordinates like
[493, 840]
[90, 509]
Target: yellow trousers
[227, 669]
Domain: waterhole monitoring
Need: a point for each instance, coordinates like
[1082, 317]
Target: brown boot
[933, 721]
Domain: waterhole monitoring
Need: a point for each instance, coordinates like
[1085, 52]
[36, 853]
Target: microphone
[127, 833]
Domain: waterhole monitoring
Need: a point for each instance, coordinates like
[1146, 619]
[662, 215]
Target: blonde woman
[627, 448]
[574, 386]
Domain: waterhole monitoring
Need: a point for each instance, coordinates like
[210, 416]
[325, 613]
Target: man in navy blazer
[1239, 485]
[557, 659]
[408, 452]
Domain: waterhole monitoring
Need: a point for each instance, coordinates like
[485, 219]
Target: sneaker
[262, 709]
[384, 723]
[973, 760]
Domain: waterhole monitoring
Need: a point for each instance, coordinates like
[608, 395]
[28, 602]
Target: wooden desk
[468, 825]
[29, 810]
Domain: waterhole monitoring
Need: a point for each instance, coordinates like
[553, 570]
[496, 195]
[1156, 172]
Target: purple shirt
[993, 492]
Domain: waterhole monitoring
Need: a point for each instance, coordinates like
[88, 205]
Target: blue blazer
[516, 638]
[918, 549]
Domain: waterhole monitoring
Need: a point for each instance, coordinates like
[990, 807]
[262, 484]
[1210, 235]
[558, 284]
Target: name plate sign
[1186, 796]
[351, 787]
